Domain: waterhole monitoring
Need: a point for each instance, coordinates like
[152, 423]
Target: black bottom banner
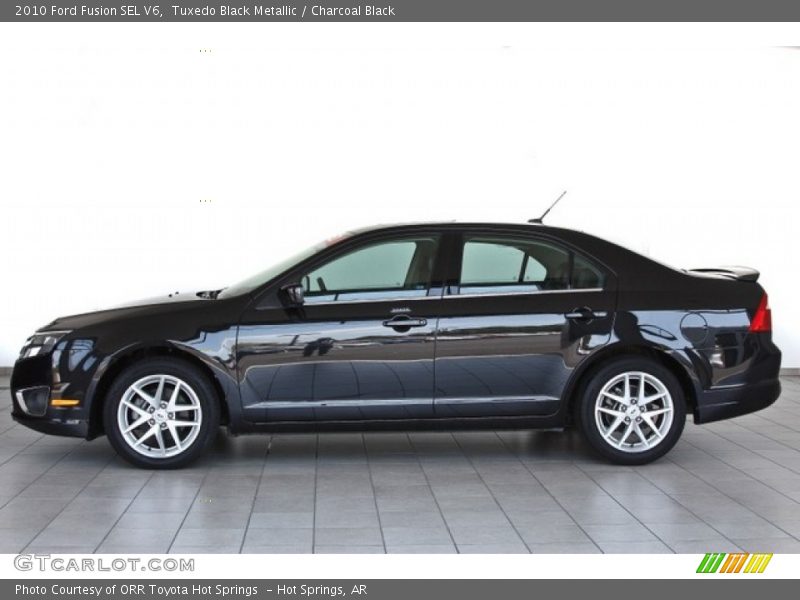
[389, 589]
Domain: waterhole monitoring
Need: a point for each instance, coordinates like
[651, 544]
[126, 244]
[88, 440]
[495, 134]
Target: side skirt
[439, 424]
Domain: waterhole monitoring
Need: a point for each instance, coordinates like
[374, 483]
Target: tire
[163, 438]
[632, 442]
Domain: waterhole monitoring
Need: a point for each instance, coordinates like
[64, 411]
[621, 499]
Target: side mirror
[293, 294]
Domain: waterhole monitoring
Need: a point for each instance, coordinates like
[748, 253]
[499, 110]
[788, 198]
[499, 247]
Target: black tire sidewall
[586, 419]
[188, 373]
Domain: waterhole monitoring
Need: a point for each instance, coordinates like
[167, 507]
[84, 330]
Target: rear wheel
[632, 411]
[161, 413]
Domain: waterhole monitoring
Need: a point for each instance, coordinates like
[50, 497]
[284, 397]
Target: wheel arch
[131, 355]
[584, 373]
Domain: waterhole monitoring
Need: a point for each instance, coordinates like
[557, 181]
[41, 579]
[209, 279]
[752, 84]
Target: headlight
[41, 343]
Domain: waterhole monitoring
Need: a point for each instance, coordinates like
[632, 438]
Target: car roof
[455, 225]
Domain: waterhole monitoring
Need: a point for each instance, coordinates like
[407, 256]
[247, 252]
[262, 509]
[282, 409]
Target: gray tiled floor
[733, 485]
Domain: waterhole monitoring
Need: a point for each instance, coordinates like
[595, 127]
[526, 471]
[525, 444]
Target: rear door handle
[585, 314]
[404, 322]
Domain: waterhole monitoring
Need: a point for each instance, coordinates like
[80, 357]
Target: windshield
[255, 281]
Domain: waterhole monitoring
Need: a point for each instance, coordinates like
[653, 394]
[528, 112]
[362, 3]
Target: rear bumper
[726, 402]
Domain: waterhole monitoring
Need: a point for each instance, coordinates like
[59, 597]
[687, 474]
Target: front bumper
[38, 382]
[55, 425]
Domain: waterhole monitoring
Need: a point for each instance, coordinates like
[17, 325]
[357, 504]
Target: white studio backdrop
[137, 160]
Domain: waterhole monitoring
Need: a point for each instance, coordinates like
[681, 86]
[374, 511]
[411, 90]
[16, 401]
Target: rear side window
[492, 265]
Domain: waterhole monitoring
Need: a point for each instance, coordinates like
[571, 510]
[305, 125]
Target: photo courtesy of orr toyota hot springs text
[136, 589]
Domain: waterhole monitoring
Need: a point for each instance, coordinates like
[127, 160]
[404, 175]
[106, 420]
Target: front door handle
[584, 314]
[404, 322]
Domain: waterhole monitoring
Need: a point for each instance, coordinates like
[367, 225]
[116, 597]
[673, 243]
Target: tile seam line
[374, 495]
[494, 498]
[759, 455]
[430, 489]
[625, 508]
[693, 513]
[743, 505]
[189, 508]
[316, 483]
[10, 427]
[122, 514]
[43, 473]
[88, 483]
[774, 441]
[255, 493]
[772, 421]
[694, 445]
[21, 450]
[545, 488]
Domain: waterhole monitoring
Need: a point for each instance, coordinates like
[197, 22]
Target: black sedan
[425, 326]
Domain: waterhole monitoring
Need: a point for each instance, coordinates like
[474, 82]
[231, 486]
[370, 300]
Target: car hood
[154, 305]
[171, 299]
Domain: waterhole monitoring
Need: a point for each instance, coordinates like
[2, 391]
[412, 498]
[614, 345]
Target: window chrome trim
[536, 293]
[309, 300]
[451, 296]
[400, 300]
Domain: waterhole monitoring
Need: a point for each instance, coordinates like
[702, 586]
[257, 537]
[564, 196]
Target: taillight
[762, 320]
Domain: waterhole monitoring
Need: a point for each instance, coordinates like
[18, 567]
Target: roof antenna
[544, 214]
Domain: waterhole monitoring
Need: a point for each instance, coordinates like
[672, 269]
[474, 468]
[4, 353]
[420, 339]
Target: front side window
[496, 265]
[398, 268]
[251, 283]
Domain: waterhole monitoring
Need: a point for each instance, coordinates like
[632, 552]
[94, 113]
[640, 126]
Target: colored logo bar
[737, 562]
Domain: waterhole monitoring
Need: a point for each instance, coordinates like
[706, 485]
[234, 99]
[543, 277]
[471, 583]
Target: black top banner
[403, 10]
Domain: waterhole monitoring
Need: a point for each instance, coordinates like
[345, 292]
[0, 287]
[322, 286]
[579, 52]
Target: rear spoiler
[738, 273]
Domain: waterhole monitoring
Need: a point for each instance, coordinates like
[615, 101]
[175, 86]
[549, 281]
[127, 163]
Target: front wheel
[632, 411]
[161, 413]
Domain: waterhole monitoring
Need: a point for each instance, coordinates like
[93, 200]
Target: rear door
[519, 313]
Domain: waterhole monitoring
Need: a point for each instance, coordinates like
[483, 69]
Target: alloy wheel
[634, 411]
[159, 416]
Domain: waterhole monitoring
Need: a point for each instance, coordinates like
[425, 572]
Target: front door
[521, 314]
[360, 347]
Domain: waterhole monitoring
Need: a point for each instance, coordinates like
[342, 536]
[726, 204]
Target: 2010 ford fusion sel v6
[424, 326]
